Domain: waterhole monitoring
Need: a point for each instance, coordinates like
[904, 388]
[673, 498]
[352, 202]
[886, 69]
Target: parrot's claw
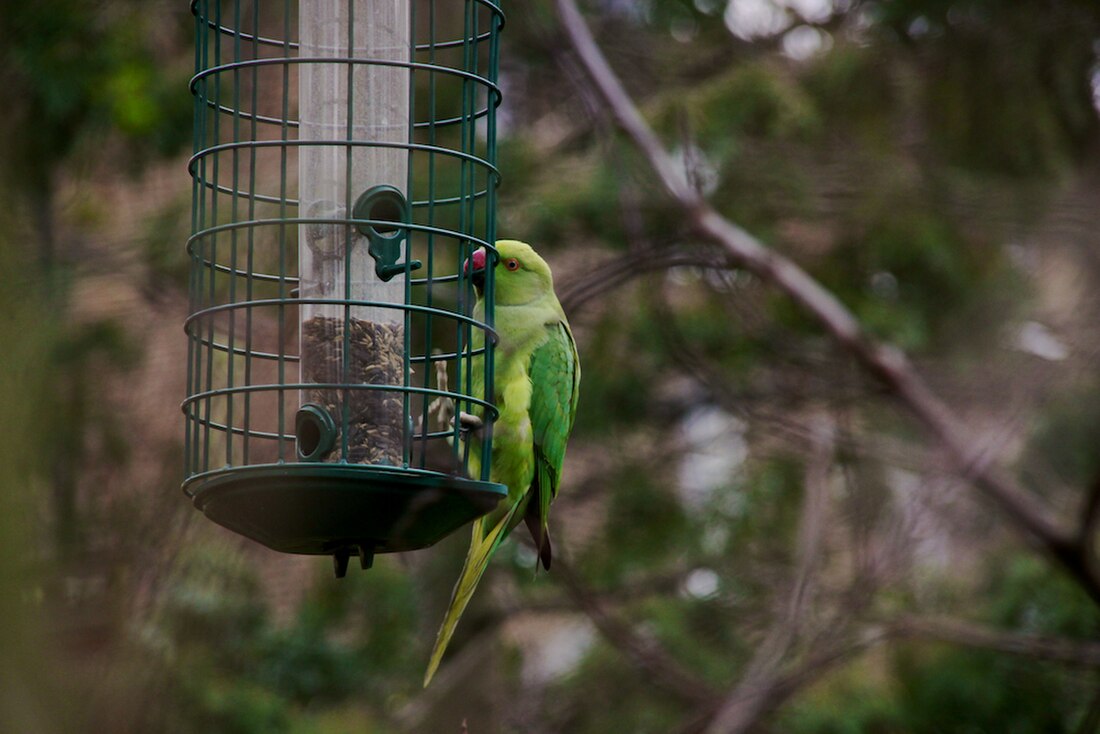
[469, 422]
[440, 411]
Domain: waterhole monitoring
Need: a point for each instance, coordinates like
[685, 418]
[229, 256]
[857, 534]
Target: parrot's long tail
[482, 547]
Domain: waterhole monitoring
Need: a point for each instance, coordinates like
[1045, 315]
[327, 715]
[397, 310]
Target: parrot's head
[520, 275]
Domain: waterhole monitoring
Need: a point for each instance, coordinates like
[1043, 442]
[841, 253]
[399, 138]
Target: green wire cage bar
[344, 170]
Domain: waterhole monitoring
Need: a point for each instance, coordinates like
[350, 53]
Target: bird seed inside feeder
[374, 417]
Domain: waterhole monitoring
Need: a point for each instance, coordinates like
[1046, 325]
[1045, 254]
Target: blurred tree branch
[1089, 517]
[771, 691]
[618, 271]
[764, 684]
[1076, 653]
[884, 361]
[749, 699]
[647, 654]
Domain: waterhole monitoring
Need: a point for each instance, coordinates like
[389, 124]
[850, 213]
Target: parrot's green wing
[555, 378]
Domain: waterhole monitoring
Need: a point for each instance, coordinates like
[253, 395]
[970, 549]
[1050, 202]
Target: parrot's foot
[469, 422]
[441, 411]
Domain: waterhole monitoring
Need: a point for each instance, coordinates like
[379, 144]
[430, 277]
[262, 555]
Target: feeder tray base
[342, 510]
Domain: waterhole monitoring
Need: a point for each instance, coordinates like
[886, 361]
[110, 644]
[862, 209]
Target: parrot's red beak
[475, 268]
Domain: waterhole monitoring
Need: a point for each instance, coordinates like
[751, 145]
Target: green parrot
[536, 378]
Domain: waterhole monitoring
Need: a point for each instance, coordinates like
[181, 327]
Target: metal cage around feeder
[343, 171]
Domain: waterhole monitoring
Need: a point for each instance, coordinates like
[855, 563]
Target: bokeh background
[749, 519]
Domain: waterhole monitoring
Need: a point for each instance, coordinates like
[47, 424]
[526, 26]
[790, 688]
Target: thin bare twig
[780, 687]
[886, 362]
[815, 504]
[662, 669]
[617, 271]
[749, 700]
[1075, 653]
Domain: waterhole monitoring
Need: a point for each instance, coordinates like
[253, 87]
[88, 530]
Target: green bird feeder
[344, 169]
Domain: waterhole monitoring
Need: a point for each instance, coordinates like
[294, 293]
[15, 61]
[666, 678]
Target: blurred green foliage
[896, 164]
[603, 669]
[1065, 442]
[645, 521]
[169, 265]
[224, 665]
[29, 335]
[935, 688]
[869, 148]
[1005, 81]
[79, 69]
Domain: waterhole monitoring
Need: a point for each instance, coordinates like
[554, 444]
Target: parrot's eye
[511, 263]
